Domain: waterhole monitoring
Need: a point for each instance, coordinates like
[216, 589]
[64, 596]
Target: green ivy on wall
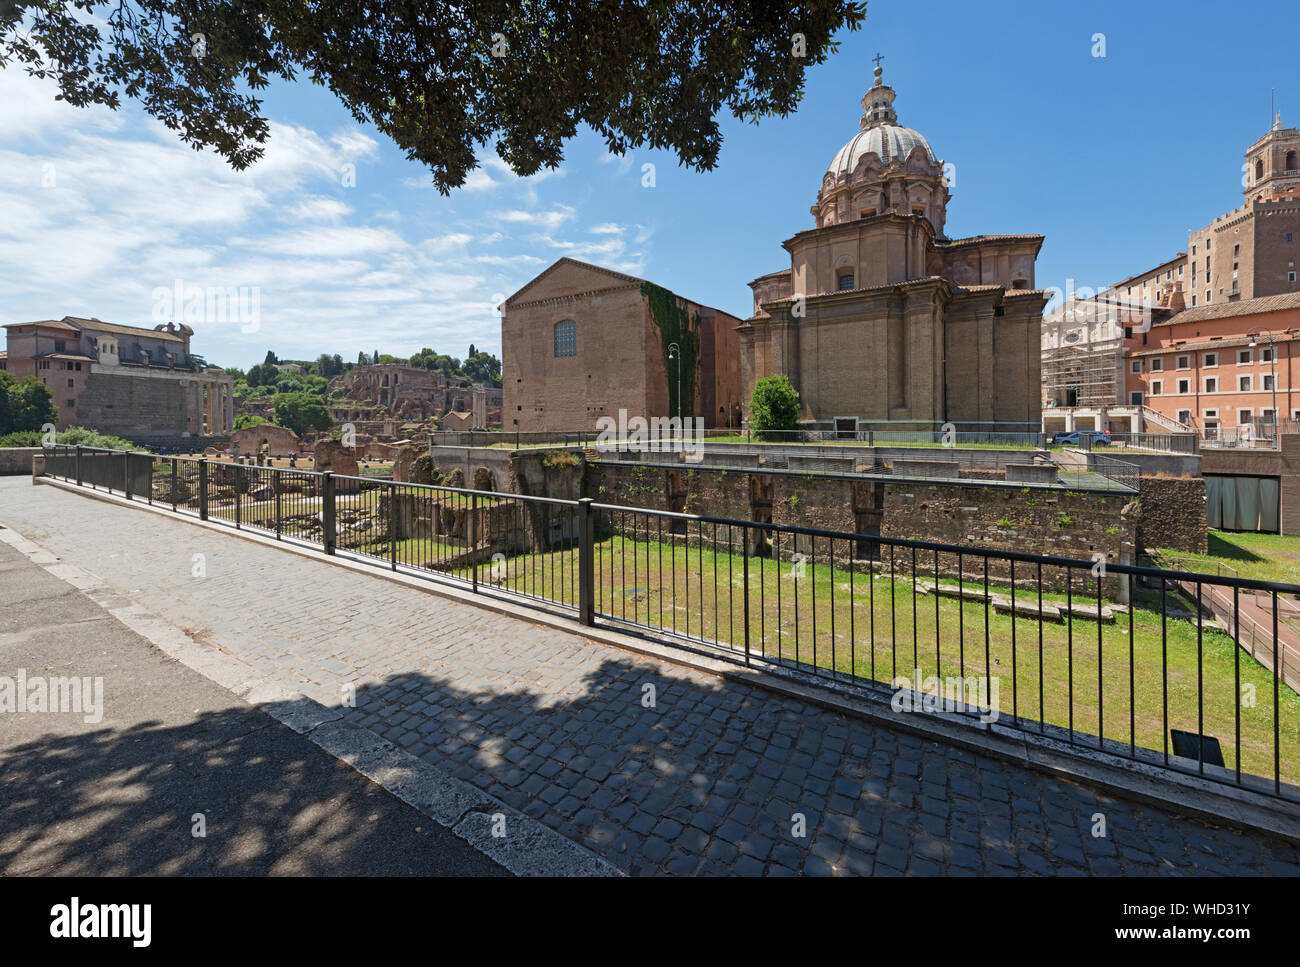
[676, 325]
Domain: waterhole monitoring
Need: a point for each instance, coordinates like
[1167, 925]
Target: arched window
[566, 338]
[845, 281]
[1291, 164]
[1259, 170]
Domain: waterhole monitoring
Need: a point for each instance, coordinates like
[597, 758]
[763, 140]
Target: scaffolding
[1087, 375]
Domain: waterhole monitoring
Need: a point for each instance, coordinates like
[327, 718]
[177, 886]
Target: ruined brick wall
[1173, 514]
[135, 408]
[1033, 520]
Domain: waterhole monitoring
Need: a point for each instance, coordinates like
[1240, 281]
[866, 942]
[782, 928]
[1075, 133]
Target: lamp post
[675, 352]
[1272, 360]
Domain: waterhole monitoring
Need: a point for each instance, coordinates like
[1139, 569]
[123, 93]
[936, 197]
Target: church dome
[887, 184]
[881, 133]
[888, 142]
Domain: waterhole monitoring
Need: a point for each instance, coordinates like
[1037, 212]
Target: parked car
[1082, 438]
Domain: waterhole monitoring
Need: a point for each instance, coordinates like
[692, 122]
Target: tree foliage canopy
[774, 408]
[441, 79]
[301, 412]
[25, 404]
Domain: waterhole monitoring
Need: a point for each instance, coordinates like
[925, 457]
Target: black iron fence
[1136, 662]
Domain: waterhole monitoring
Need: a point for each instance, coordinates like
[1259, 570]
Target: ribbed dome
[888, 142]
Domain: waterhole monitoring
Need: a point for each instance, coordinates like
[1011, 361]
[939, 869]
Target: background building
[141, 384]
[1245, 256]
[880, 316]
[580, 342]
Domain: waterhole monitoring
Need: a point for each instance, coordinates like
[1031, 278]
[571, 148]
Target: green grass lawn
[877, 628]
[1260, 557]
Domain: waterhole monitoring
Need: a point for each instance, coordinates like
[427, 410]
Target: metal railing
[1161, 442]
[1138, 663]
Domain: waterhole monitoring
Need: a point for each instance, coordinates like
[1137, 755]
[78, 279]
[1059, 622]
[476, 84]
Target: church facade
[881, 318]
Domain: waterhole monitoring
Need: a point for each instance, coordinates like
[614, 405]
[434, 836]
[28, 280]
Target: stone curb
[1180, 794]
[528, 848]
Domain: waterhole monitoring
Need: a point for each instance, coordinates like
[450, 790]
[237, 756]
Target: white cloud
[548, 220]
[131, 208]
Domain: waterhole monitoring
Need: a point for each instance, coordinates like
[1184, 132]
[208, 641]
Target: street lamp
[675, 352]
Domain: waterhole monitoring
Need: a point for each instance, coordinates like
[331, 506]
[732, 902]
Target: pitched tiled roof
[977, 239]
[1244, 307]
[98, 325]
[47, 323]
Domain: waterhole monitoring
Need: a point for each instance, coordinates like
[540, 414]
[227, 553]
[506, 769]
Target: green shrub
[774, 408]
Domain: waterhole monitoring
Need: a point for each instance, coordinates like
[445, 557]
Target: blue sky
[1113, 158]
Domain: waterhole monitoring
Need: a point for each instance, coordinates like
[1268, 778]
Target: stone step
[1026, 609]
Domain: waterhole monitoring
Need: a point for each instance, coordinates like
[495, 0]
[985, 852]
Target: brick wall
[1173, 514]
[1034, 520]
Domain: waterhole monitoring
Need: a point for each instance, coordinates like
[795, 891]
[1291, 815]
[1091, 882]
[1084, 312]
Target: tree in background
[774, 408]
[443, 80]
[482, 367]
[244, 420]
[25, 404]
[301, 412]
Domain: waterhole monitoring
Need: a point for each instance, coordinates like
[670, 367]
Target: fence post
[239, 490]
[203, 490]
[745, 555]
[126, 474]
[392, 525]
[78, 464]
[586, 562]
[471, 538]
[327, 511]
[175, 464]
[275, 483]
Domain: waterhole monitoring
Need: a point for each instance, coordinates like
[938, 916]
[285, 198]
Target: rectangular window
[1245, 416]
[1268, 381]
[58, 345]
[69, 403]
[1266, 354]
[1135, 398]
[1193, 300]
[1211, 384]
[1266, 415]
[1290, 276]
[1135, 366]
[566, 338]
[1157, 387]
[1211, 414]
[71, 383]
[1183, 362]
[1243, 357]
[1210, 360]
[1184, 386]
[1244, 384]
[1185, 417]
[1157, 365]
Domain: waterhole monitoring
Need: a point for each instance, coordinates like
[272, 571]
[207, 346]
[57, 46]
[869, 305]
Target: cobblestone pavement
[713, 779]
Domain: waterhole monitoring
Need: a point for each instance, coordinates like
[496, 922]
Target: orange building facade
[1227, 371]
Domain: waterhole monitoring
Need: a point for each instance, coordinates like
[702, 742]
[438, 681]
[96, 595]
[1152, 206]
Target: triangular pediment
[570, 276]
